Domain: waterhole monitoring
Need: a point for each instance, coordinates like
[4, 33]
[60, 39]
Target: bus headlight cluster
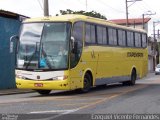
[60, 77]
[20, 77]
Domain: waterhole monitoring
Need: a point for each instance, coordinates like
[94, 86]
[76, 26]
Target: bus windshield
[43, 46]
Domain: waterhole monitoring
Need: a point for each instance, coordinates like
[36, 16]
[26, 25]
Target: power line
[148, 6]
[127, 6]
[103, 3]
[86, 4]
[40, 5]
[66, 3]
[143, 8]
[81, 2]
[151, 8]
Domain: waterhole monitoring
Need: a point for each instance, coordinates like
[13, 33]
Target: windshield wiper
[32, 55]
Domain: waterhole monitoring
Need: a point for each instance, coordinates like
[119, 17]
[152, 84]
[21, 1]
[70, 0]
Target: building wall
[151, 55]
[150, 64]
[140, 26]
[8, 27]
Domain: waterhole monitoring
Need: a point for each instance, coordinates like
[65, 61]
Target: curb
[14, 91]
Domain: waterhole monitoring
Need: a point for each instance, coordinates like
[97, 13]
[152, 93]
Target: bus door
[86, 57]
[76, 45]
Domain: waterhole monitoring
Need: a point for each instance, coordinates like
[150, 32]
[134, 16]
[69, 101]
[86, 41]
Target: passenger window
[90, 34]
[104, 36]
[87, 34]
[112, 36]
[121, 38]
[93, 35]
[101, 35]
[137, 40]
[130, 39]
[144, 40]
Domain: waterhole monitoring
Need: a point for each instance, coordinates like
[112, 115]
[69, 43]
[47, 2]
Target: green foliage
[92, 13]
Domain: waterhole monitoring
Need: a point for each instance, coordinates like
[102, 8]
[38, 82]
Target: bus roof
[75, 17]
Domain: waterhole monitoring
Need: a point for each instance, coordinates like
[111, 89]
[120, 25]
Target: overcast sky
[112, 9]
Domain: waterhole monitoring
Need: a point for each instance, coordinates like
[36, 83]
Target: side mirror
[72, 42]
[12, 39]
[74, 45]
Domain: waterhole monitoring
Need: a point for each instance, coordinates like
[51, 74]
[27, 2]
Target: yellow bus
[72, 52]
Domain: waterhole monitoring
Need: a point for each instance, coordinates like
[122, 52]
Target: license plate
[38, 84]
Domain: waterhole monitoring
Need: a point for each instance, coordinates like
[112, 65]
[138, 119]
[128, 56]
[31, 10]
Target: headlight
[60, 77]
[20, 77]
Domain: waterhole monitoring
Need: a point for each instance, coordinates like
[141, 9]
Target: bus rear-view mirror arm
[12, 39]
[74, 45]
[72, 42]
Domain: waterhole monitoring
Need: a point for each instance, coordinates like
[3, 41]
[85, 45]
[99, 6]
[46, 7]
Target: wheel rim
[87, 84]
[133, 78]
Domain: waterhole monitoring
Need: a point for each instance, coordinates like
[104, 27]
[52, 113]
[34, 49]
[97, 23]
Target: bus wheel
[43, 92]
[133, 79]
[86, 83]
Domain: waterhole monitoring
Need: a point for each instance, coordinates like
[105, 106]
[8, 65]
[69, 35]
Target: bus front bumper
[43, 85]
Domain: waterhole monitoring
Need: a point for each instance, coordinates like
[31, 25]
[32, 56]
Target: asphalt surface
[143, 98]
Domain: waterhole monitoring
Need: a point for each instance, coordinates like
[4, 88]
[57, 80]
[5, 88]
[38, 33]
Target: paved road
[142, 98]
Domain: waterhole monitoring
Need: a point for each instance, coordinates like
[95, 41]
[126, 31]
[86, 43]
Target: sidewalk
[14, 91]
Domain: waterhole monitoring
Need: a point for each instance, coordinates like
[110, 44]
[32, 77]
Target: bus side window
[137, 40]
[112, 36]
[121, 38]
[101, 35]
[87, 34]
[90, 35]
[144, 40]
[130, 39]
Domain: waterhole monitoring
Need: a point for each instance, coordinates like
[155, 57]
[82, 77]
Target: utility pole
[150, 13]
[154, 29]
[133, 1]
[86, 5]
[46, 8]
[127, 13]
[156, 52]
[154, 46]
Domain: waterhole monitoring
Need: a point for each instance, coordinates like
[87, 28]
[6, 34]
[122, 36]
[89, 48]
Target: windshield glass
[43, 46]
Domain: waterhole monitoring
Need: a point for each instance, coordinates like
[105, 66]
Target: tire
[86, 84]
[133, 79]
[43, 92]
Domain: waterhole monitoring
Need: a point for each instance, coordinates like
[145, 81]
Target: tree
[92, 13]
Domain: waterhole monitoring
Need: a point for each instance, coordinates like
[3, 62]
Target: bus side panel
[116, 64]
[106, 66]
